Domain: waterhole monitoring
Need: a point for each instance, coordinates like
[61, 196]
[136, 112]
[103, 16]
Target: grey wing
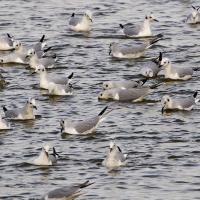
[61, 80]
[74, 21]
[132, 94]
[133, 50]
[185, 103]
[63, 192]
[86, 125]
[6, 40]
[128, 84]
[12, 113]
[189, 18]
[131, 30]
[47, 61]
[184, 71]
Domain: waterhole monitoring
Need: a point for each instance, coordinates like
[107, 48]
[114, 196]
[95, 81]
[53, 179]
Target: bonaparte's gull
[176, 73]
[59, 89]
[123, 84]
[34, 60]
[45, 79]
[130, 94]
[23, 113]
[85, 126]
[143, 30]
[153, 68]
[67, 192]
[115, 157]
[6, 42]
[17, 56]
[81, 24]
[194, 17]
[179, 103]
[44, 157]
[136, 51]
[4, 125]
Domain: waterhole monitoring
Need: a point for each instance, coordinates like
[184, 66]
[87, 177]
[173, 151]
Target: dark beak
[110, 149]
[61, 129]
[155, 20]
[34, 72]
[35, 107]
[91, 20]
[27, 56]
[163, 109]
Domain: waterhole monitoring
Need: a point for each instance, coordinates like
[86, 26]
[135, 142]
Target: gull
[130, 94]
[115, 158]
[17, 56]
[85, 126]
[176, 73]
[59, 89]
[135, 51]
[81, 24]
[6, 42]
[67, 192]
[34, 60]
[45, 80]
[153, 69]
[143, 30]
[174, 103]
[123, 84]
[4, 125]
[24, 113]
[194, 17]
[44, 158]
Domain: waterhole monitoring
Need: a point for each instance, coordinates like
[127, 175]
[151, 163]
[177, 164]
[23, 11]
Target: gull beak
[35, 107]
[155, 20]
[110, 51]
[91, 20]
[163, 109]
[61, 129]
[27, 56]
[110, 149]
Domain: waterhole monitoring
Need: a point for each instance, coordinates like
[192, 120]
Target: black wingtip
[73, 14]
[71, 76]
[160, 56]
[86, 184]
[4, 108]
[42, 38]
[121, 26]
[103, 111]
[195, 94]
[9, 35]
[45, 50]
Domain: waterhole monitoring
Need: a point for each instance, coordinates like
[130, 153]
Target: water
[164, 153]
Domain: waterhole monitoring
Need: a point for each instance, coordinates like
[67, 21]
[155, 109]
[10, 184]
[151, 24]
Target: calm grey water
[164, 151]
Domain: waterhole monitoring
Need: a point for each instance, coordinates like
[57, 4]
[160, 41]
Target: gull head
[17, 44]
[88, 15]
[151, 18]
[31, 102]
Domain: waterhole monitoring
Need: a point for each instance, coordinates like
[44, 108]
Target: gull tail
[154, 86]
[153, 41]
[45, 50]
[85, 184]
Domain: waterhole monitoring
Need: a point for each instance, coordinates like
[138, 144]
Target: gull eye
[168, 100]
[106, 85]
[101, 94]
